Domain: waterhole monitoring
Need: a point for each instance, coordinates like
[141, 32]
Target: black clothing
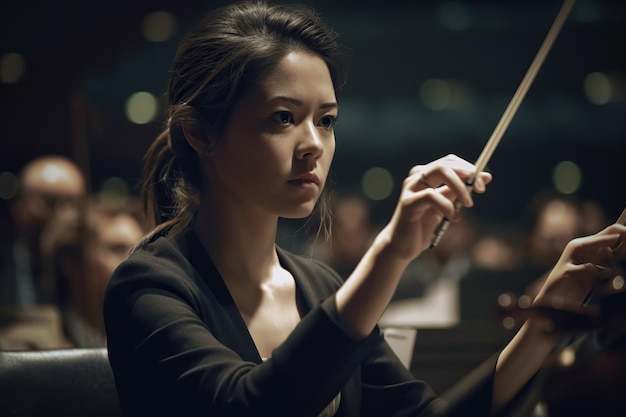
[179, 346]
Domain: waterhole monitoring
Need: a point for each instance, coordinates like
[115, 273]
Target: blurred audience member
[49, 186]
[594, 217]
[81, 258]
[553, 219]
[352, 232]
[498, 247]
[450, 260]
[428, 292]
[33, 328]
[497, 256]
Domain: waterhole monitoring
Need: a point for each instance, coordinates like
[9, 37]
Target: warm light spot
[141, 107]
[158, 26]
[598, 89]
[618, 282]
[567, 357]
[567, 177]
[377, 183]
[508, 323]
[524, 301]
[12, 68]
[53, 173]
[436, 94]
[504, 300]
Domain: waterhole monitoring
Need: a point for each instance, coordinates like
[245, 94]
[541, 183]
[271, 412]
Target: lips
[306, 179]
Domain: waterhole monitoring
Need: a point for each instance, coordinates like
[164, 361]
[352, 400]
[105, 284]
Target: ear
[197, 139]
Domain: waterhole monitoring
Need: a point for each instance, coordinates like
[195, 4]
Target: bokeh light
[567, 177]
[158, 26]
[597, 87]
[439, 94]
[12, 67]
[141, 107]
[377, 183]
[436, 94]
[115, 185]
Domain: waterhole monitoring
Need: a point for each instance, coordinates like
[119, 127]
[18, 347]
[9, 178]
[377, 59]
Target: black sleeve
[168, 362]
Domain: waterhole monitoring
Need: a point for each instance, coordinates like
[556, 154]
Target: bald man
[51, 187]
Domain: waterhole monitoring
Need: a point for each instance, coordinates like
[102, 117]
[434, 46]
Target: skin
[107, 243]
[274, 161]
[113, 239]
[583, 264]
[51, 186]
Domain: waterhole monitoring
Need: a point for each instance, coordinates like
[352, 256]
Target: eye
[328, 121]
[283, 117]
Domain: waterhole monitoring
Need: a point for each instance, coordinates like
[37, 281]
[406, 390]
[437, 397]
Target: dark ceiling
[83, 59]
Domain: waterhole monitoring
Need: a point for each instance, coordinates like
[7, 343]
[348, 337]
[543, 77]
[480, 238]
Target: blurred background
[86, 80]
[425, 78]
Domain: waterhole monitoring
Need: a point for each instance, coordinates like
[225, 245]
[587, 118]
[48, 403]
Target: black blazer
[179, 346]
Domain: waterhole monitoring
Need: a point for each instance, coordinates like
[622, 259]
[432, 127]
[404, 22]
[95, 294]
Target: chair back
[57, 382]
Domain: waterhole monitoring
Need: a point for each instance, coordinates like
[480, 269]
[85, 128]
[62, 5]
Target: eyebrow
[299, 102]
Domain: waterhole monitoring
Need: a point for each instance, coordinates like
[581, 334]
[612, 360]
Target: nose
[311, 144]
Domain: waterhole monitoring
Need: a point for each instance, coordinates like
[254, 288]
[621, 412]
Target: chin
[299, 212]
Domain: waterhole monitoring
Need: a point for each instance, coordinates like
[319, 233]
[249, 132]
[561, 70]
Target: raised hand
[429, 193]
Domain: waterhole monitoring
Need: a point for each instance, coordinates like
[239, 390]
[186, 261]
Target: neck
[241, 244]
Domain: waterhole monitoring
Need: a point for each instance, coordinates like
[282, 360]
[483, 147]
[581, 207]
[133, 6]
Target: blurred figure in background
[497, 256]
[594, 217]
[81, 258]
[428, 292]
[553, 219]
[352, 233]
[498, 247]
[512, 262]
[49, 186]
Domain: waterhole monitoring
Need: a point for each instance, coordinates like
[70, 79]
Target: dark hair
[230, 50]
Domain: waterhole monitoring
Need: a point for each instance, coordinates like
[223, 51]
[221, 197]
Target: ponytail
[156, 189]
[169, 183]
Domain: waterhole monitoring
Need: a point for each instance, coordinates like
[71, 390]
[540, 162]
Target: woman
[208, 316]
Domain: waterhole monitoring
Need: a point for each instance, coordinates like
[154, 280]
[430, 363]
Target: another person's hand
[585, 263]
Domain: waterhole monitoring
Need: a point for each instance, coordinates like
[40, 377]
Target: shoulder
[162, 262]
[310, 272]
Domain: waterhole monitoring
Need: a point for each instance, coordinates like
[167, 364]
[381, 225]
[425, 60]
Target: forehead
[54, 178]
[301, 75]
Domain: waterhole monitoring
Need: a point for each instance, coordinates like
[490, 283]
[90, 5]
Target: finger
[587, 245]
[432, 200]
[418, 179]
[481, 181]
[618, 249]
[466, 169]
[588, 275]
[447, 171]
[443, 176]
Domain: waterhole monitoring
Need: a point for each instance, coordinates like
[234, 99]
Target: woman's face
[279, 142]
